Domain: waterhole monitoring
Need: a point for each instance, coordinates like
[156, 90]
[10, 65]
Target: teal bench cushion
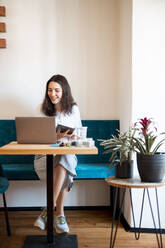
[21, 167]
[96, 166]
[93, 171]
[19, 171]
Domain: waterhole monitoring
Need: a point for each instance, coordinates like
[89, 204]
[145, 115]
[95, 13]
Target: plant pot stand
[128, 184]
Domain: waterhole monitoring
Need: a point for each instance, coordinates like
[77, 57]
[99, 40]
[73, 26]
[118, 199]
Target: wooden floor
[92, 228]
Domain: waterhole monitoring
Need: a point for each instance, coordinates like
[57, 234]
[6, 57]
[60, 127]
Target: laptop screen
[35, 130]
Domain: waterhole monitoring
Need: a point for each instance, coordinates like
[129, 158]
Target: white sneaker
[60, 224]
[41, 220]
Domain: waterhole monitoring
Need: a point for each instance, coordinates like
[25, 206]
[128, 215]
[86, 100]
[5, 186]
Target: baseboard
[66, 208]
[142, 230]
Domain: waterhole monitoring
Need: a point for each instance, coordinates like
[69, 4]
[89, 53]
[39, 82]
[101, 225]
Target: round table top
[132, 183]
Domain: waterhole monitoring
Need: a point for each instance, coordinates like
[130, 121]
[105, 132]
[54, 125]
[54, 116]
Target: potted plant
[150, 162]
[121, 147]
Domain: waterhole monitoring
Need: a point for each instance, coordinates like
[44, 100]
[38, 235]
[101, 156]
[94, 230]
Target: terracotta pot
[151, 167]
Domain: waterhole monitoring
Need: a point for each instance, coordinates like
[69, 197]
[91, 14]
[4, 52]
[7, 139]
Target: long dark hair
[67, 101]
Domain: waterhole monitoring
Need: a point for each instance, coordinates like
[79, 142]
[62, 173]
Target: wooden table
[129, 184]
[13, 148]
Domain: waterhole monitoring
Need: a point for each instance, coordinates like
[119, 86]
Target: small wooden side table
[128, 184]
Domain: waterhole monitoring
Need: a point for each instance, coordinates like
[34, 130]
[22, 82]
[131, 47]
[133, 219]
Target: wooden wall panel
[2, 11]
[2, 27]
[2, 43]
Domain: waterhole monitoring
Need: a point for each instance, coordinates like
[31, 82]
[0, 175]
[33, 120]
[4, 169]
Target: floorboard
[91, 226]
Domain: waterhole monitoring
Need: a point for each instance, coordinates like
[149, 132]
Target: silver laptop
[35, 130]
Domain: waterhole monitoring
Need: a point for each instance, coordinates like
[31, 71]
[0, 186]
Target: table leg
[137, 233]
[113, 235]
[58, 241]
[158, 234]
[50, 241]
[6, 215]
[45, 241]
[50, 212]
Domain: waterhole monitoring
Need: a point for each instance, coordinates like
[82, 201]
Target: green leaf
[158, 146]
[139, 146]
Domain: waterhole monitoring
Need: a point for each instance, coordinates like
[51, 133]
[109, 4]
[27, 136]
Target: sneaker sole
[39, 225]
[60, 231]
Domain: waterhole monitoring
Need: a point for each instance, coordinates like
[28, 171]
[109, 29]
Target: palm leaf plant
[120, 147]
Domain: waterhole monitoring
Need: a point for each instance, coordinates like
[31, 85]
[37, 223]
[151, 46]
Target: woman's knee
[59, 168]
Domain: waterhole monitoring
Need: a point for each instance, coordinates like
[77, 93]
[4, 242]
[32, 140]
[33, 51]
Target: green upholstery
[8, 134]
[15, 167]
[93, 171]
[4, 184]
[21, 167]
[98, 129]
[96, 166]
[18, 171]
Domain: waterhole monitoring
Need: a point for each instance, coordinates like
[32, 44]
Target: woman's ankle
[59, 213]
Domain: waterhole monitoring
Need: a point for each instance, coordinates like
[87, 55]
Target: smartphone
[65, 128]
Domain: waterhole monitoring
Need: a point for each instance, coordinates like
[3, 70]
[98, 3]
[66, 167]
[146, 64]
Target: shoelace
[60, 220]
[44, 214]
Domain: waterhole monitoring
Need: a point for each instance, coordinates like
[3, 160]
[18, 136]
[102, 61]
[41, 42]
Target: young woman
[58, 102]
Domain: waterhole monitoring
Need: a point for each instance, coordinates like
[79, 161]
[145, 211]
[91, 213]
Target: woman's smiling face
[55, 92]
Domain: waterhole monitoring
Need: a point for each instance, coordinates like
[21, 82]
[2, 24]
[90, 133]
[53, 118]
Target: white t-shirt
[71, 120]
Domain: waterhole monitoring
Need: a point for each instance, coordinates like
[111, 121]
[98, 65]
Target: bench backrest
[8, 134]
[97, 129]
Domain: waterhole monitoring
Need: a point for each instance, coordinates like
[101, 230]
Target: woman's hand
[64, 134]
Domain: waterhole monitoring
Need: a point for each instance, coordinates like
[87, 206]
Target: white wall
[148, 76]
[33, 194]
[148, 59]
[125, 62]
[125, 73]
[141, 79]
[77, 38]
